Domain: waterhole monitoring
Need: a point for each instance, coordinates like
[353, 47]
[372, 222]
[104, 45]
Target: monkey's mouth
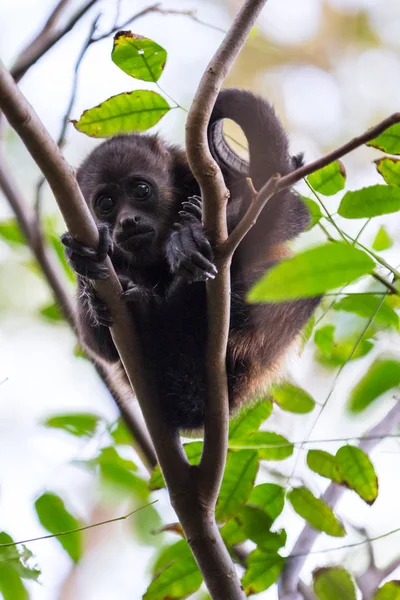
[140, 237]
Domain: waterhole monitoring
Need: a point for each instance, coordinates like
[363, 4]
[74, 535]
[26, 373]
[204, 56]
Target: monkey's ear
[183, 179]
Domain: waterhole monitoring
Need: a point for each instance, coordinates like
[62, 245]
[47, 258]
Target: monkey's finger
[96, 272]
[202, 243]
[106, 245]
[197, 200]
[194, 210]
[187, 217]
[201, 261]
[77, 247]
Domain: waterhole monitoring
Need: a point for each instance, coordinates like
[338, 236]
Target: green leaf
[366, 305]
[170, 554]
[256, 524]
[193, 451]
[17, 557]
[233, 533]
[314, 210]
[389, 168]
[263, 570]
[382, 376]
[52, 313]
[370, 202]
[382, 241]
[324, 339]
[11, 586]
[270, 497]
[55, 518]
[388, 141]
[79, 424]
[269, 445]
[292, 398]
[312, 272]
[358, 472]
[11, 233]
[324, 464]
[315, 512]
[329, 180]
[120, 433]
[333, 583]
[239, 476]
[138, 56]
[131, 111]
[250, 418]
[179, 579]
[389, 591]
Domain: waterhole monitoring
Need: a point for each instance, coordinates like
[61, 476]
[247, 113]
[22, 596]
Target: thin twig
[289, 579]
[45, 40]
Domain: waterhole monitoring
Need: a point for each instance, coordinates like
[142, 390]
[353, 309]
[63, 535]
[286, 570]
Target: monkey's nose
[130, 223]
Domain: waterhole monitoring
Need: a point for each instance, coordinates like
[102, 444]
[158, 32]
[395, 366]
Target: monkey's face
[127, 183]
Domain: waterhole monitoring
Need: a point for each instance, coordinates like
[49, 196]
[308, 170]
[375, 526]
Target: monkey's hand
[189, 253]
[85, 261]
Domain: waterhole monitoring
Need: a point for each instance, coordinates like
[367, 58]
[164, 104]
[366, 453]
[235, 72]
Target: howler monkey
[146, 203]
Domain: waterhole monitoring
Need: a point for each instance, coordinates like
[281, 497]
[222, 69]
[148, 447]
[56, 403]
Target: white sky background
[42, 375]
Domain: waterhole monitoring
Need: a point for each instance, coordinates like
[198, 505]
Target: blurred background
[332, 69]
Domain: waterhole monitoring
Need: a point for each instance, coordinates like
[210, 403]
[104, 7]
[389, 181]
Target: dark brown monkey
[145, 201]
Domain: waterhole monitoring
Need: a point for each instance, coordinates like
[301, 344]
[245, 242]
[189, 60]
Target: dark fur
[170, 311]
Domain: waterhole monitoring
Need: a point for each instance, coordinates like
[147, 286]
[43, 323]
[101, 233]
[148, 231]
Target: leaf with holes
[333, 583]
[389, 168]
[311, 273]
[324, 464]
[269, 445]
[382, 240]
[389, 591]
[79, 424]
[292, 398]
[270, 497]
[138, 56]
[131, 111]
[382, 376]
[358, 472]
[17, 558]
[55, 518]
[315, 512]
[263, 570]
[370, 202]
[388, 141]
[250, 419]
[329, 180]
[367, 305]
[237, 483]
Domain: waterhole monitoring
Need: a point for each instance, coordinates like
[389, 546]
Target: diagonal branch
[289, 579]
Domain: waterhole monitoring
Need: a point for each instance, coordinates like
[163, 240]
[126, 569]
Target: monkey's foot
[98, 310]
[136, 293]
[84, 260]
[189, 252]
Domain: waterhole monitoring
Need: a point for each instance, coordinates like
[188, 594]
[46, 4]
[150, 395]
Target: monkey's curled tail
[268, 143]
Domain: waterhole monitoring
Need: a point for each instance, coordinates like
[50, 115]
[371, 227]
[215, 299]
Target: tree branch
[32, 231]
[215, 196]
[289, 579]
[277, 183]
[47, 38]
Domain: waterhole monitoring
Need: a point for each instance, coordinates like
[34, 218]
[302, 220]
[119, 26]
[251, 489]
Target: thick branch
[215, 196]
[289, 580]
[31, 229]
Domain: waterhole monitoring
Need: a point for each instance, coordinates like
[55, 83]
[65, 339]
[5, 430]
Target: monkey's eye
[105, 205]
[140, 190]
